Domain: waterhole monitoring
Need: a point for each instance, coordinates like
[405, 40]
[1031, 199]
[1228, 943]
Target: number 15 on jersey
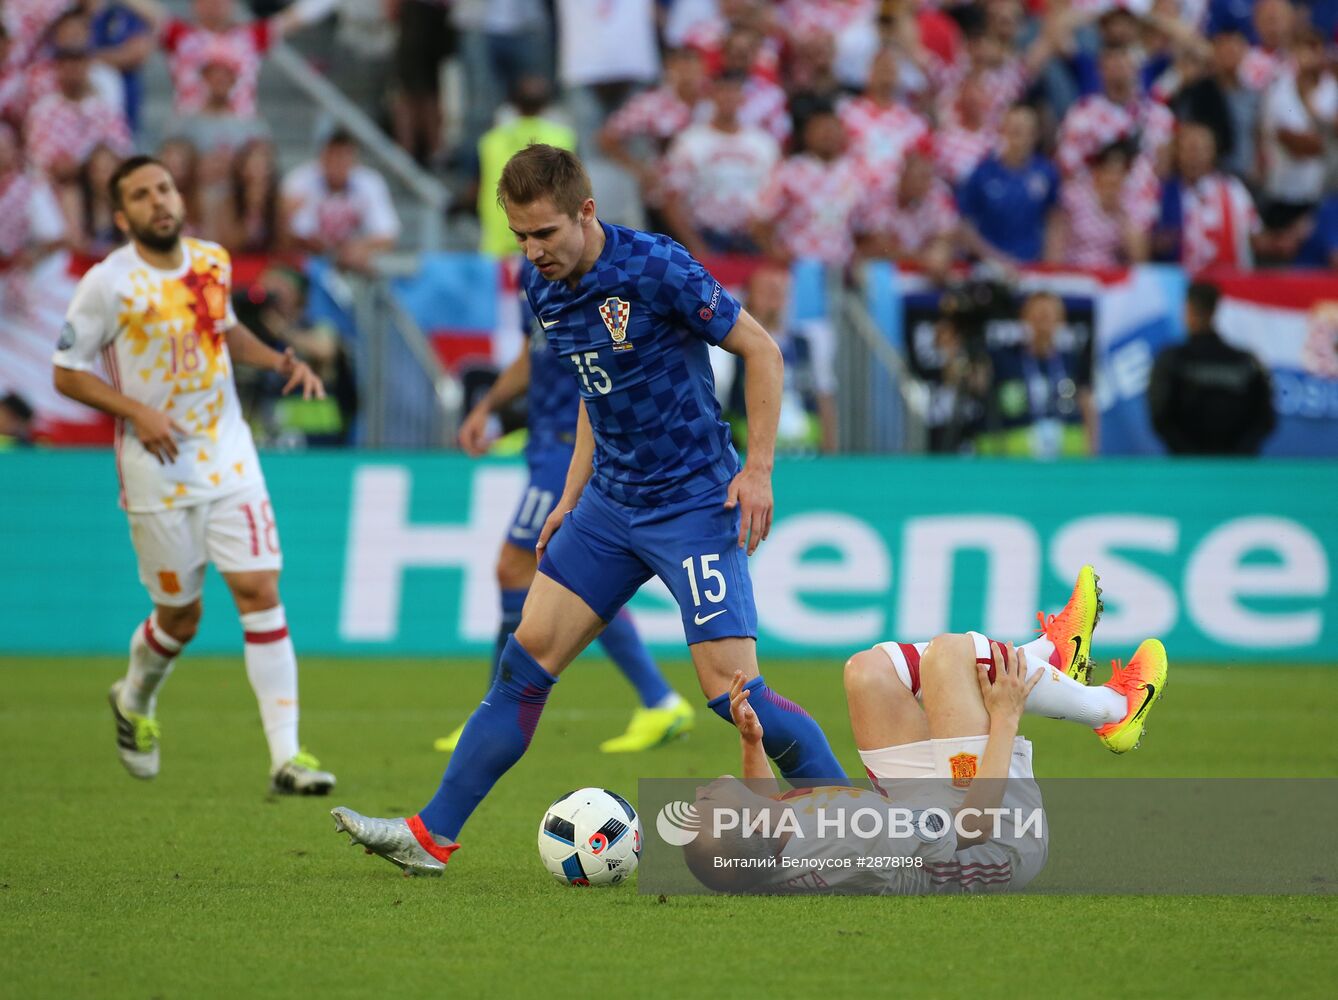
[593, 377]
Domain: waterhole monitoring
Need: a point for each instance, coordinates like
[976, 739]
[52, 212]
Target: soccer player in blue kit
[553, 399]
[654, 488]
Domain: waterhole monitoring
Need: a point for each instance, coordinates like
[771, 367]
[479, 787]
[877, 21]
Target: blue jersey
[1009, 207]
[634, 334]
[552, 397]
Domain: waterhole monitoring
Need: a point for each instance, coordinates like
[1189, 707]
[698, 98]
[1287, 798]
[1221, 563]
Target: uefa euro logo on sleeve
[616, 313]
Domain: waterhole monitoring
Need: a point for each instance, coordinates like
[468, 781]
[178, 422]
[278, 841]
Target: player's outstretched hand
[1006, 696]
[745, 719]
[750, 491]
[158, 433]
[299, 373]
[474, 431]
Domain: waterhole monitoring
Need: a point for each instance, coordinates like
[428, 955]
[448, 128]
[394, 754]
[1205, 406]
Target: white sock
[271, 666]
[1059, 696]
[152, 653]
[672, 700]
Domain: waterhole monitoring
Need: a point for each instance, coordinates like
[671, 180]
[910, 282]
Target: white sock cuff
[157, 639]
[269, 625]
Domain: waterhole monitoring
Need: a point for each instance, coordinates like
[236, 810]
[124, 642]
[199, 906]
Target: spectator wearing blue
[1009, 204]
[122, 40]
[1320, 246]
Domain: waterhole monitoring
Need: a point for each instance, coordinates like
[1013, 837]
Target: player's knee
[867, 673]
[256, 592]
[181, 623]
[947, 652]
[515, 568]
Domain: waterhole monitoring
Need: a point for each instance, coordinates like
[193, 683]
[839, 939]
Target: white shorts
[935, 772]
[905, 657]
[236, 533]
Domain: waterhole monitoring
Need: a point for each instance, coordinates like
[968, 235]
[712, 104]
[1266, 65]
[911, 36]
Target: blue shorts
[548, 476]
[604, 551]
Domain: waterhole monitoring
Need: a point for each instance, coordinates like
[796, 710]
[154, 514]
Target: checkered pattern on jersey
[552, 397]
[913, 227]
[59, 128]
[879, 136]
[647, 383]
[812, 204]
[190, 47]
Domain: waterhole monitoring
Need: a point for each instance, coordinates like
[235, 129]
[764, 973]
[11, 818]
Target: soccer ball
[590, 837]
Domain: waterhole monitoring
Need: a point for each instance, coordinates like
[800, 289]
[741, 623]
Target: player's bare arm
[248, 349]
[755, 764]
[578, 474]
[764, 372]
[512, 382]
[1005, 700]
[156, 430]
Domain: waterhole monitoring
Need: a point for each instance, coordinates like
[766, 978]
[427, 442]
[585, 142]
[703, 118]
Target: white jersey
[161, 336]
[820, 860]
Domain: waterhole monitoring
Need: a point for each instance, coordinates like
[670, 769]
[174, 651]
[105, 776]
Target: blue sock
[512, 603]
[495, 737]
[625, 648]
[790, 737]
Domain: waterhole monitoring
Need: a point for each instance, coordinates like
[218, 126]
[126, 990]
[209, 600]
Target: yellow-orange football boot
[1071, 630]
[1141, 684]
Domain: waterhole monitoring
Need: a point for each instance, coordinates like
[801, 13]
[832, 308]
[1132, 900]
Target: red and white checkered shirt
[879, 136]
[27, 22]
[800, 18]
[1005, 85]
[958, 150]
[59, 127]
[1096, 237]
[1096, 121]
[812, 203]
[191, 47]
[1219, 218]
[1260, 68]
[658, 114]
[913, 227]
[719, 174]
[765, 106]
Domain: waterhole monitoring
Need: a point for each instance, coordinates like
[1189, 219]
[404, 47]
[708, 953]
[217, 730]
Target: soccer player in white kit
[936, 726]
[158, 312]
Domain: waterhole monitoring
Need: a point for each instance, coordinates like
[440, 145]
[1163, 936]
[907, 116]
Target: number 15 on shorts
[712, 584]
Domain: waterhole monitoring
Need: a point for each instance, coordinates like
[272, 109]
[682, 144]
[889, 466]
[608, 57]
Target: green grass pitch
[200, 885]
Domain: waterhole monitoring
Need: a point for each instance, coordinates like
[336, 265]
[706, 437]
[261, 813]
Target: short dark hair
[1202, 297]
[127, 167]
[540, 171]
[17, 405]
[340, 137]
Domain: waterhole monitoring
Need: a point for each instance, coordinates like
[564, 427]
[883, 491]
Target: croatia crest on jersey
[963, 769]
[616, 313]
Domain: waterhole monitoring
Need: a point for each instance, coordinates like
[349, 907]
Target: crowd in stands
[1089, 133]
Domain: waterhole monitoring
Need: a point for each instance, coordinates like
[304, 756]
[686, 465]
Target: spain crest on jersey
[616, 313]
[963, 769]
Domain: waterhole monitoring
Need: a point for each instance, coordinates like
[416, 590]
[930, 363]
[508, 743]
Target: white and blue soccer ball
[590, 837]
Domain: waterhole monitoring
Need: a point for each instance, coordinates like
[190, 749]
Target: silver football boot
[301, 775]
[389, 838]
[136, 737]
